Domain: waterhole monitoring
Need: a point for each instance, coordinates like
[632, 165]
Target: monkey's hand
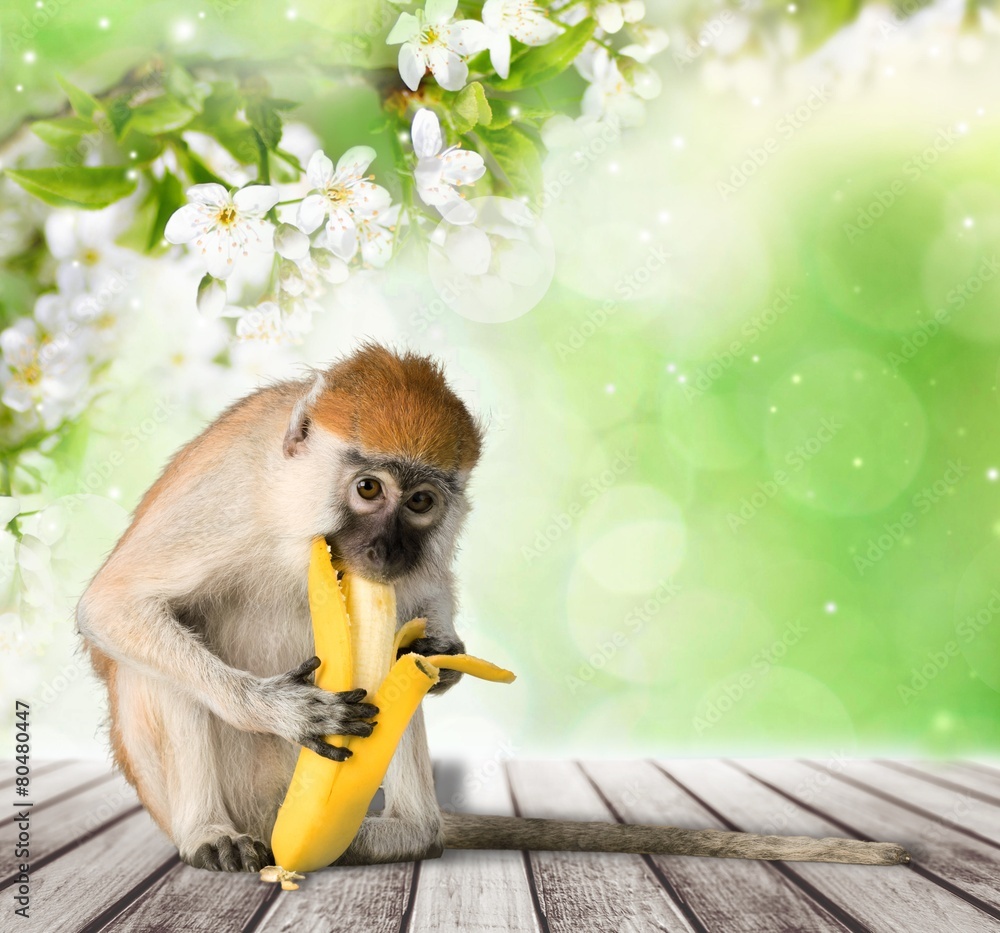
[438, 644]
[301, 712]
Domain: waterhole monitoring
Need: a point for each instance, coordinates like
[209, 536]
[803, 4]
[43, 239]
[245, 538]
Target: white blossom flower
[430, 41]
[343, 196]
[440, 171]
[612, 15]
[377, 235]
[612, 95]
[649, 41]
[41, 373]
[84, 244]
[225, 226]
[519, 19]
[267, 322]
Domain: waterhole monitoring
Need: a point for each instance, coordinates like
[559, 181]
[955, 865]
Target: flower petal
[469, 250]
[211, 195]
[319, 171]
[462, 167]
[355, 160]
[610, 17]
[342, 234]
[412, 65]
[312, 210]
[448, 68]
[468, 37]
[10, 508]
[211, 296]
[492, 14]
[407, 27]
[185, 224]
[425, 131]
[500, 53]
[256, 199]
[290, 242]
[217, 254]
[370, 200]
[440, 11]
[455, 209]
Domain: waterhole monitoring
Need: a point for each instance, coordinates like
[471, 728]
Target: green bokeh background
[741, 502]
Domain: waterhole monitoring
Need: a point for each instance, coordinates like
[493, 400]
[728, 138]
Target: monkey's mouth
[364, 564]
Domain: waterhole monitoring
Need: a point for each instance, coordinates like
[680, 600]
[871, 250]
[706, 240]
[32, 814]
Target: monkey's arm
[468, 831]
[132, 622]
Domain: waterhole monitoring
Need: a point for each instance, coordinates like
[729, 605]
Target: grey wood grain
[43, 766]
[474, 892]
[368, 898]
[71, 891]
[958, 807]
[725, 894]
[203, 901]
[953, 777]
[588, 891]
[71, 818]
[969, 865]
[50, 786]
[885, 900]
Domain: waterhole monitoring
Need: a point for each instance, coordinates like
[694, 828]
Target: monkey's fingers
[301, 674]
[325, 749]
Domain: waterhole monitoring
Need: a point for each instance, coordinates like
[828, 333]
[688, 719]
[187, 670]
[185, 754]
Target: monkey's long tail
[468, 831]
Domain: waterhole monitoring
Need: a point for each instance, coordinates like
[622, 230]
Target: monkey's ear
[299, 423]
[295, 436]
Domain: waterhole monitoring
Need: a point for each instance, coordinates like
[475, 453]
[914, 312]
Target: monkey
[198, 621]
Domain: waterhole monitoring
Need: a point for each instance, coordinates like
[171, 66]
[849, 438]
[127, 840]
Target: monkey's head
[392, 446]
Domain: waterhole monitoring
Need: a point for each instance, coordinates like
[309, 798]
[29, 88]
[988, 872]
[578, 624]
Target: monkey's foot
[231, 853]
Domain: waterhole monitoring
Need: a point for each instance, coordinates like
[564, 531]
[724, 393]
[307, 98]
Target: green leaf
[516, 155]
[197, 171]
[183, 85]
[146, 148]
[80, 186]
[262, 116]
[544, 62]
[79, 100]
[161, 115]
[170, 196]
[62, 132]
[471, 108]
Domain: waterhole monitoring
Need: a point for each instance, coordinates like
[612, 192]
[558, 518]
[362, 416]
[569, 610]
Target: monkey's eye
[420, 502]
[369, 488]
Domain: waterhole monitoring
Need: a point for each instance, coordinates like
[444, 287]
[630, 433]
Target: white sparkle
[133, 154]
[682, 378]
[671, 368]
[183, 31]
[515, 112]
[291, 14]
[858, 462]
[613, 167]
[831, 607]
[755, 358]
[19, 88]
[644, 236]
[29, 57]
[610, 388]
[755, 101]
[889, 71]
[962, 128]
[201, 14]
[792, 7]
[663, 217]
[114, 493]
[993, 474]
[968, 223]
[796, 379]
[678, 142]
[774, 408]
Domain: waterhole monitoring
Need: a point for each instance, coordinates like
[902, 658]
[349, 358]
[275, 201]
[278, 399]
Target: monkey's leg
[167, 744]
[410, 825]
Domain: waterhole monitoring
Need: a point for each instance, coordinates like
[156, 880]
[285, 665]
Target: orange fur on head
[398, 404]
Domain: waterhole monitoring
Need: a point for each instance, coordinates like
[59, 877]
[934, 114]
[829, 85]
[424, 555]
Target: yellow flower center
[90, 257]
[431, 35]
[31, 373]
[227, 216]
[338, 193]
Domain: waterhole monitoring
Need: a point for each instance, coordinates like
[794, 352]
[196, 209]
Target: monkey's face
[395, 516]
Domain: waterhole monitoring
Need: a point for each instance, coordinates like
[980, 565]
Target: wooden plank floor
[99, 864]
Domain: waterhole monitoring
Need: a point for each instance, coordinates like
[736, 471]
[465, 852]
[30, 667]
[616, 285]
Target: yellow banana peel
[327, 800]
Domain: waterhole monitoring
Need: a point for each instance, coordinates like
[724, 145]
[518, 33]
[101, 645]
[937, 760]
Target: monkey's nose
[376, 552]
